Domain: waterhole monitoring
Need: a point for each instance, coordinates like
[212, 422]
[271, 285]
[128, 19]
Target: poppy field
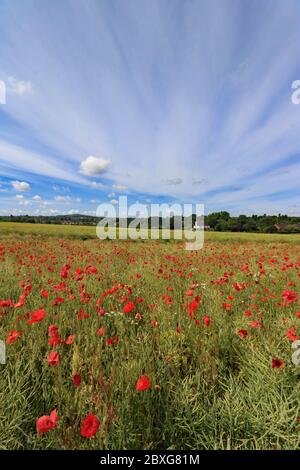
[144, 345]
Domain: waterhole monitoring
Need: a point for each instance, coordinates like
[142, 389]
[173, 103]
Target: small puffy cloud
[114, 202]
[24, 202]
[73, 211]
[77, 199]
[64, 199]
[93, 166]
[20, 186]
[19, 87]
[36, 197]
[111, 194]
[63, 189]
[19, 197]
[95, 185]
[120, 187]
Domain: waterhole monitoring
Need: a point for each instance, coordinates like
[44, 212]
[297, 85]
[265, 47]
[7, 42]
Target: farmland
[145, 345]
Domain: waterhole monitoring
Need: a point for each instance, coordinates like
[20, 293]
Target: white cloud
[111, 194]
[24, 202]
[19, 87]
[65, 199]
[120, 187]
[93, 166]
[36, 197]
[64, 189]
[114, 202]
[95, 185]
[19, 197]
[20, 186]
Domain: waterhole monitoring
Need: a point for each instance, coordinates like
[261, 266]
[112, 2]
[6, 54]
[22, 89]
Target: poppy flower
[243, 333]
[37, 316]
[45, 423]
[289, 296]
[89, 426]
[13, 336]
[277, 363]
[192, 307]
[206, 320]
[70, 339]
[143, 383]
[292, 334]
[76, 380]
[53, 359]
[44, 293]
[129, 307]
[101, 331]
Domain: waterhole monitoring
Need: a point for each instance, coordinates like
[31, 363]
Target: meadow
[145, 345]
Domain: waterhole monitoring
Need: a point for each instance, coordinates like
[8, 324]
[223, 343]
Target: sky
[163, 101]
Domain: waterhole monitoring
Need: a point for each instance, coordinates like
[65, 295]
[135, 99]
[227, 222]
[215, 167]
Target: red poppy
[13, 336]
[89, 426]
[243, 333]
[37, 316]
[129, 307]
[70, 339]
[206, 320]
[76, 380]
[143, 383]
[277, 363]
[53, 359]
[289, 296]
[292, 334]
[193, 305]
[101, 331]
[44, 293]
[45, 423]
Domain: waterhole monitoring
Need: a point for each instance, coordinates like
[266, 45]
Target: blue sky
[186, 101]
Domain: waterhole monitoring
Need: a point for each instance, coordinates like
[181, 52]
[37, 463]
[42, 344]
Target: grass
[210, 388]
[85, 232]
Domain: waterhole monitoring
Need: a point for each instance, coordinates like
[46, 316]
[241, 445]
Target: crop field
[145, 345]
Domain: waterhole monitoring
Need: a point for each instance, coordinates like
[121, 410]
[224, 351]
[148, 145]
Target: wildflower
[13, 336]
[37, 316]
[277, 363]
[45, 423]
[89, 426]
[76, 380]
[129, 307]
[53, 359]
[143, 383]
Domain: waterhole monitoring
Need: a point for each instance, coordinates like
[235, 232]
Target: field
[144, 345]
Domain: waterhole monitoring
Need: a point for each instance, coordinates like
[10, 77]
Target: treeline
[223, 222]
[216, 221]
